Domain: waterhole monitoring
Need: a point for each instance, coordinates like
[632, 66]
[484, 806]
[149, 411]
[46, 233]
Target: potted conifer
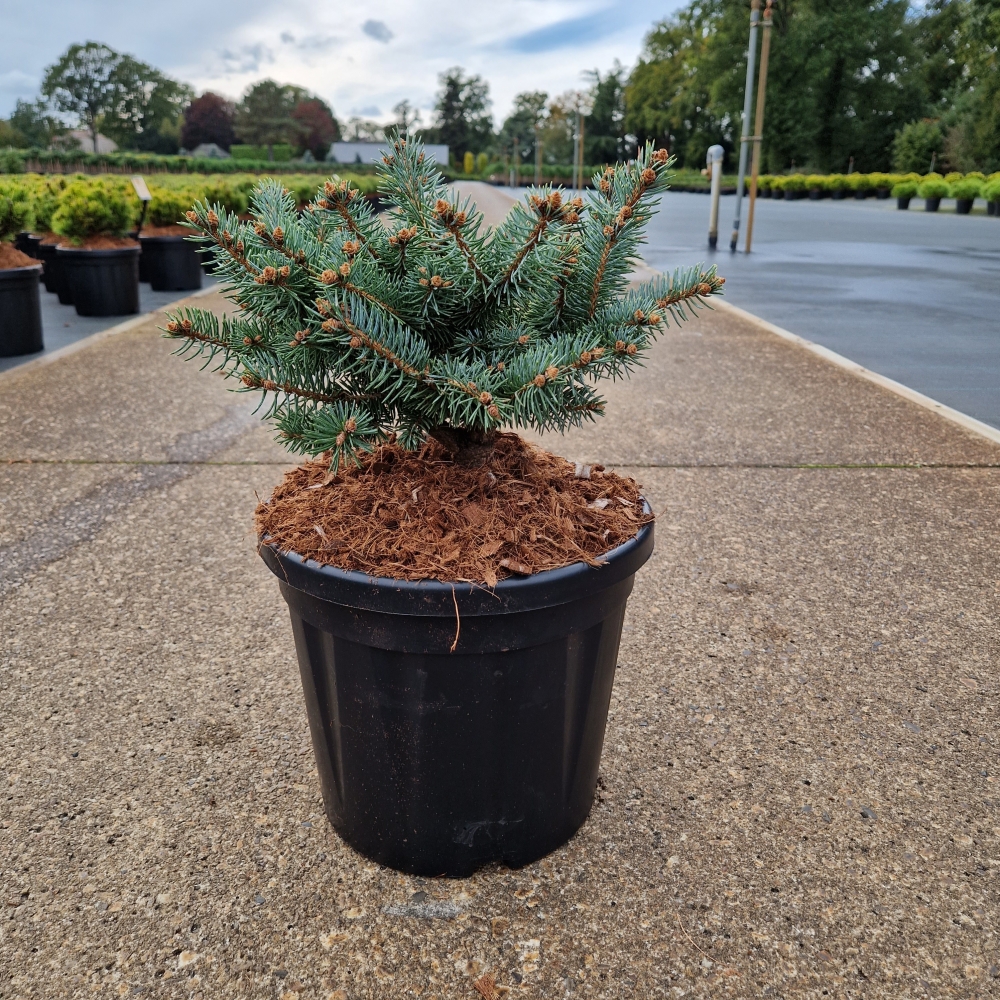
[456, 595]
[20, 310]
[169, 262]
[99, 259]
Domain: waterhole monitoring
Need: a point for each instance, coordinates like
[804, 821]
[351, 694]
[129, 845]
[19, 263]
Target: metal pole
[576, 148]
[758, 128]
[517, 161]
[747, 104]
[538, 158]
[581, 153]
[714, 160]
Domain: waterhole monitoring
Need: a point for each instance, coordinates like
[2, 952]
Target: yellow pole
[758, 129]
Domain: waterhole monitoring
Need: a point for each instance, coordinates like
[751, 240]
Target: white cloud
[378, 30]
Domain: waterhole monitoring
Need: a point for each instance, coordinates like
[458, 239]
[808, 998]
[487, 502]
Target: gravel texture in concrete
[798, 793]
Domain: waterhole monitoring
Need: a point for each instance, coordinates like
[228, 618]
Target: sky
[361, 57]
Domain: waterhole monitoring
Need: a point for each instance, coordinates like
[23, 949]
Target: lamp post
[747, 104]
[714, 161]
[758, 128]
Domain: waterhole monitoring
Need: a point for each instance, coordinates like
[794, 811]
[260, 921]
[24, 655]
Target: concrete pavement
[798, 792]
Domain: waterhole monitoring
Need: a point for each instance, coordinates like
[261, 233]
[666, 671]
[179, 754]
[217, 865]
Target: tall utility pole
[714, 160]
[538, 157]
[747, 105]
[758, 128]
[581, 151]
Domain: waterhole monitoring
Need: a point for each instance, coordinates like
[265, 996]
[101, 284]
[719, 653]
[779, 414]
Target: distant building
[86, 142]
[210, 150]
[372, 152]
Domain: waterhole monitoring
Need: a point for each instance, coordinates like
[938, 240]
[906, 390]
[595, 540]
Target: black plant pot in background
[764, 193]
[54, 274]
[20, 311]
[436, 762]
[102, 282]
[963, 205]
[882, 193]
[860, 195]
[208, 264]
[902, 203]
[21, 242]
[991, 208]
[778, 193]
[32, 242]
[815, 194]
[932, 204]
[838, 194]
[170, 263]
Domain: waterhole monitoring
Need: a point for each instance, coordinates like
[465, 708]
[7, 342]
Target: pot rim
[437, 598]
[175, 238]
[12, 273]
[108, 252]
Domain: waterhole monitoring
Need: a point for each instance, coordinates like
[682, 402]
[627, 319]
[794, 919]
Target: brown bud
[269, 273]
[485, 398]
[539, 380]
[213, 219]
[191, 216]
[648, 175]
[239, 246]
[186, 325]
[323, 203]
[355, 342]
[523, 339]
[460, 219]
[500, 366]
[608, 230]
[269, 385]
[555, 199]
[704, 288]
[172, 327]
[605, 186]
[660, 156]
[345, 269]
[259, 228]
[350, 425]
[328, 277]
[654, 318]
[586, 358]
[441, 207]
[551, 372]
[631, 349]
[625, 212]
[247, 341]
[285, 271]
[423, 281]
[493, 411]
[341, 438]
[351, 247]
[278, 234]
[249, 380]
[639, 315]
[570, 218]
[329, 325]
[619, 345]
[437, 281]
[598, 352]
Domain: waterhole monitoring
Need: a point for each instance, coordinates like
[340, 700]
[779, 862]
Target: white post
[747, 105]
[714, 161]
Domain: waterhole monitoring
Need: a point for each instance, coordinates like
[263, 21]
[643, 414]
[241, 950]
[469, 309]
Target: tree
[208, 118]
[522, 124]
[435, 327]
[84, 83]
[462, 118]
[264, 116]
[604, 131]
[916, 145]
[128, 100]
[35, 124]
[405, 117]
[363, 130]
[317, 126]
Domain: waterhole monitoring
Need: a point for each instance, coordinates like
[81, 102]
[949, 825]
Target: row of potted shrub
[964, 188]
[95, 244]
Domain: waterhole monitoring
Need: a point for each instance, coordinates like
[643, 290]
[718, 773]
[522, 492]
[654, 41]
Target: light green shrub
[97, 207]
[967, 189]
[934, 189]
[817, 182]
[904, 189]
[954, 176]
[169, 205]
[16, 209]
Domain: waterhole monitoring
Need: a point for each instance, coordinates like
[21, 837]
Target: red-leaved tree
[209, 118]
[319, 127]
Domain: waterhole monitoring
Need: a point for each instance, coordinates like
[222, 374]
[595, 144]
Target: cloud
[287, 37]
[247, 58]
[369, 111]
[378, 30]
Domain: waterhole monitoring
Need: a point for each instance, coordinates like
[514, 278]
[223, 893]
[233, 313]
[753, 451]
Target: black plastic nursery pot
[170, 263]
[882, 193]
[778, 193]
[902, 203]
[991, 208]
[102, 282]
[53, 272]
[860, 195]
[455, 726]
[963, 206]
[932, 204]
[20, 311]
[32, 243]
[815, 194]
[21, 242]
[838, 194]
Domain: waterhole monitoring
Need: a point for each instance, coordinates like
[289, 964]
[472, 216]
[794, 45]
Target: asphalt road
[912, 295]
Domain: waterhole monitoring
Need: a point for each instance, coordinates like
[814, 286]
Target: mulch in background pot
[20, 311]
[102, 282]
[170, 263]
[456, 725]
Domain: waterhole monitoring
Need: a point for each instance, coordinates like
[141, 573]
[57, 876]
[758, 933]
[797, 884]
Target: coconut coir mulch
[419, 516]
[12, 258]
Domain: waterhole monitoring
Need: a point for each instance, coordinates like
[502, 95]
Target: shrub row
[961, 186]
[77, 205]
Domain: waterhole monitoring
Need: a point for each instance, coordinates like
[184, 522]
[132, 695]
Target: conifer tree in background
[434, 325]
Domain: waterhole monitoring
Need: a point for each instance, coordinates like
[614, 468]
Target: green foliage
[16, 209]
[437, 325]
[95, 207]
[281, 152]
[915, 144]
[969, 188]
[991, 191]
[168, 205]
[265, 116]
[934, 188]
[816, 182]
[462, 117]
[904, 189]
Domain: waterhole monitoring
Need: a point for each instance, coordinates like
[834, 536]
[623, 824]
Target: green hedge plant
[16, 209]
[904, 189]
[967, 189]
[934, 189]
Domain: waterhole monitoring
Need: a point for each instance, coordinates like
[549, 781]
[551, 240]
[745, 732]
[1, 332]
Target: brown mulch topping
[165, 231]
[419, 516]
[11, 258]
[101, 242]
